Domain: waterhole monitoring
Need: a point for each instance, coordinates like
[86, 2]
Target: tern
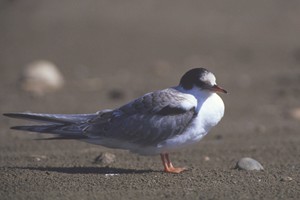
[159, 122]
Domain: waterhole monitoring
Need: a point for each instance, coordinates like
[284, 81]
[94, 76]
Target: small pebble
[286, 179]
[206, 158]
[41, 77]
[105, 158]
[38, 157]
[248, 164]
[111, 175]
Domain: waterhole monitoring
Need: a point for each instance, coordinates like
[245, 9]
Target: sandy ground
[129, 49]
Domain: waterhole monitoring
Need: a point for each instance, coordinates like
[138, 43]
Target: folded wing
[146, 121]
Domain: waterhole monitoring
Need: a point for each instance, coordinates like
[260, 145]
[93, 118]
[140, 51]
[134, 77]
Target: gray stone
[286, 179]
[105, 158]
[248, 164]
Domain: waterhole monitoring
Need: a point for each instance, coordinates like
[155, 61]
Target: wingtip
[6, 114]
[19, 128]
[13, 115]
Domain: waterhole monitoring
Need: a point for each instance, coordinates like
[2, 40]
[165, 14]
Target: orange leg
[168, 165]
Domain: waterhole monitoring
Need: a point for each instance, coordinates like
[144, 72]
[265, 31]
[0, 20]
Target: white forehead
[209, 78]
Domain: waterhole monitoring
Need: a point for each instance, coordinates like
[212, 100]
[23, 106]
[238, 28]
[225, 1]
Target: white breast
[210, 108]
[211, 111]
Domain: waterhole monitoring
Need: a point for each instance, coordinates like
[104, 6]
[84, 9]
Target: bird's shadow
[89, 170]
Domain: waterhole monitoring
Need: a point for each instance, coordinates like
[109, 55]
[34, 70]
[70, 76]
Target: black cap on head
[194, 77]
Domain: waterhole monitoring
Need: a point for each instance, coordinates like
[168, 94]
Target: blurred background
[82, 56]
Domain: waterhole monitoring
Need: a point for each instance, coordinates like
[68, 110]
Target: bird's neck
[200, 95]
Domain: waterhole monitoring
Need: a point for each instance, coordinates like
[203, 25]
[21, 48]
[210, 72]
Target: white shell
[41, 77]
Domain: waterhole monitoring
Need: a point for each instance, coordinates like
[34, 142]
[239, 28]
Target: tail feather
[65, 125]
[54, 118]
[38, 128]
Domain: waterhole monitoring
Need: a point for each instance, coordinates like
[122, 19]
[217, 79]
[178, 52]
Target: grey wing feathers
[148, 120]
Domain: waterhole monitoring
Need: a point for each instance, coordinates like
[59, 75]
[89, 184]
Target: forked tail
[65, 125]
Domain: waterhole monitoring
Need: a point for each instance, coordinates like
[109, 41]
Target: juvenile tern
[159, 122]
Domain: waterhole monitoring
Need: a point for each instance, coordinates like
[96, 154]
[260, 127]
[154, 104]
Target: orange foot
[168, 165]
[175, 170]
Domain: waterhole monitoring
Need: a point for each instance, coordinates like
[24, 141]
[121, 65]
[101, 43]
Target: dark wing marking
[168, 110]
